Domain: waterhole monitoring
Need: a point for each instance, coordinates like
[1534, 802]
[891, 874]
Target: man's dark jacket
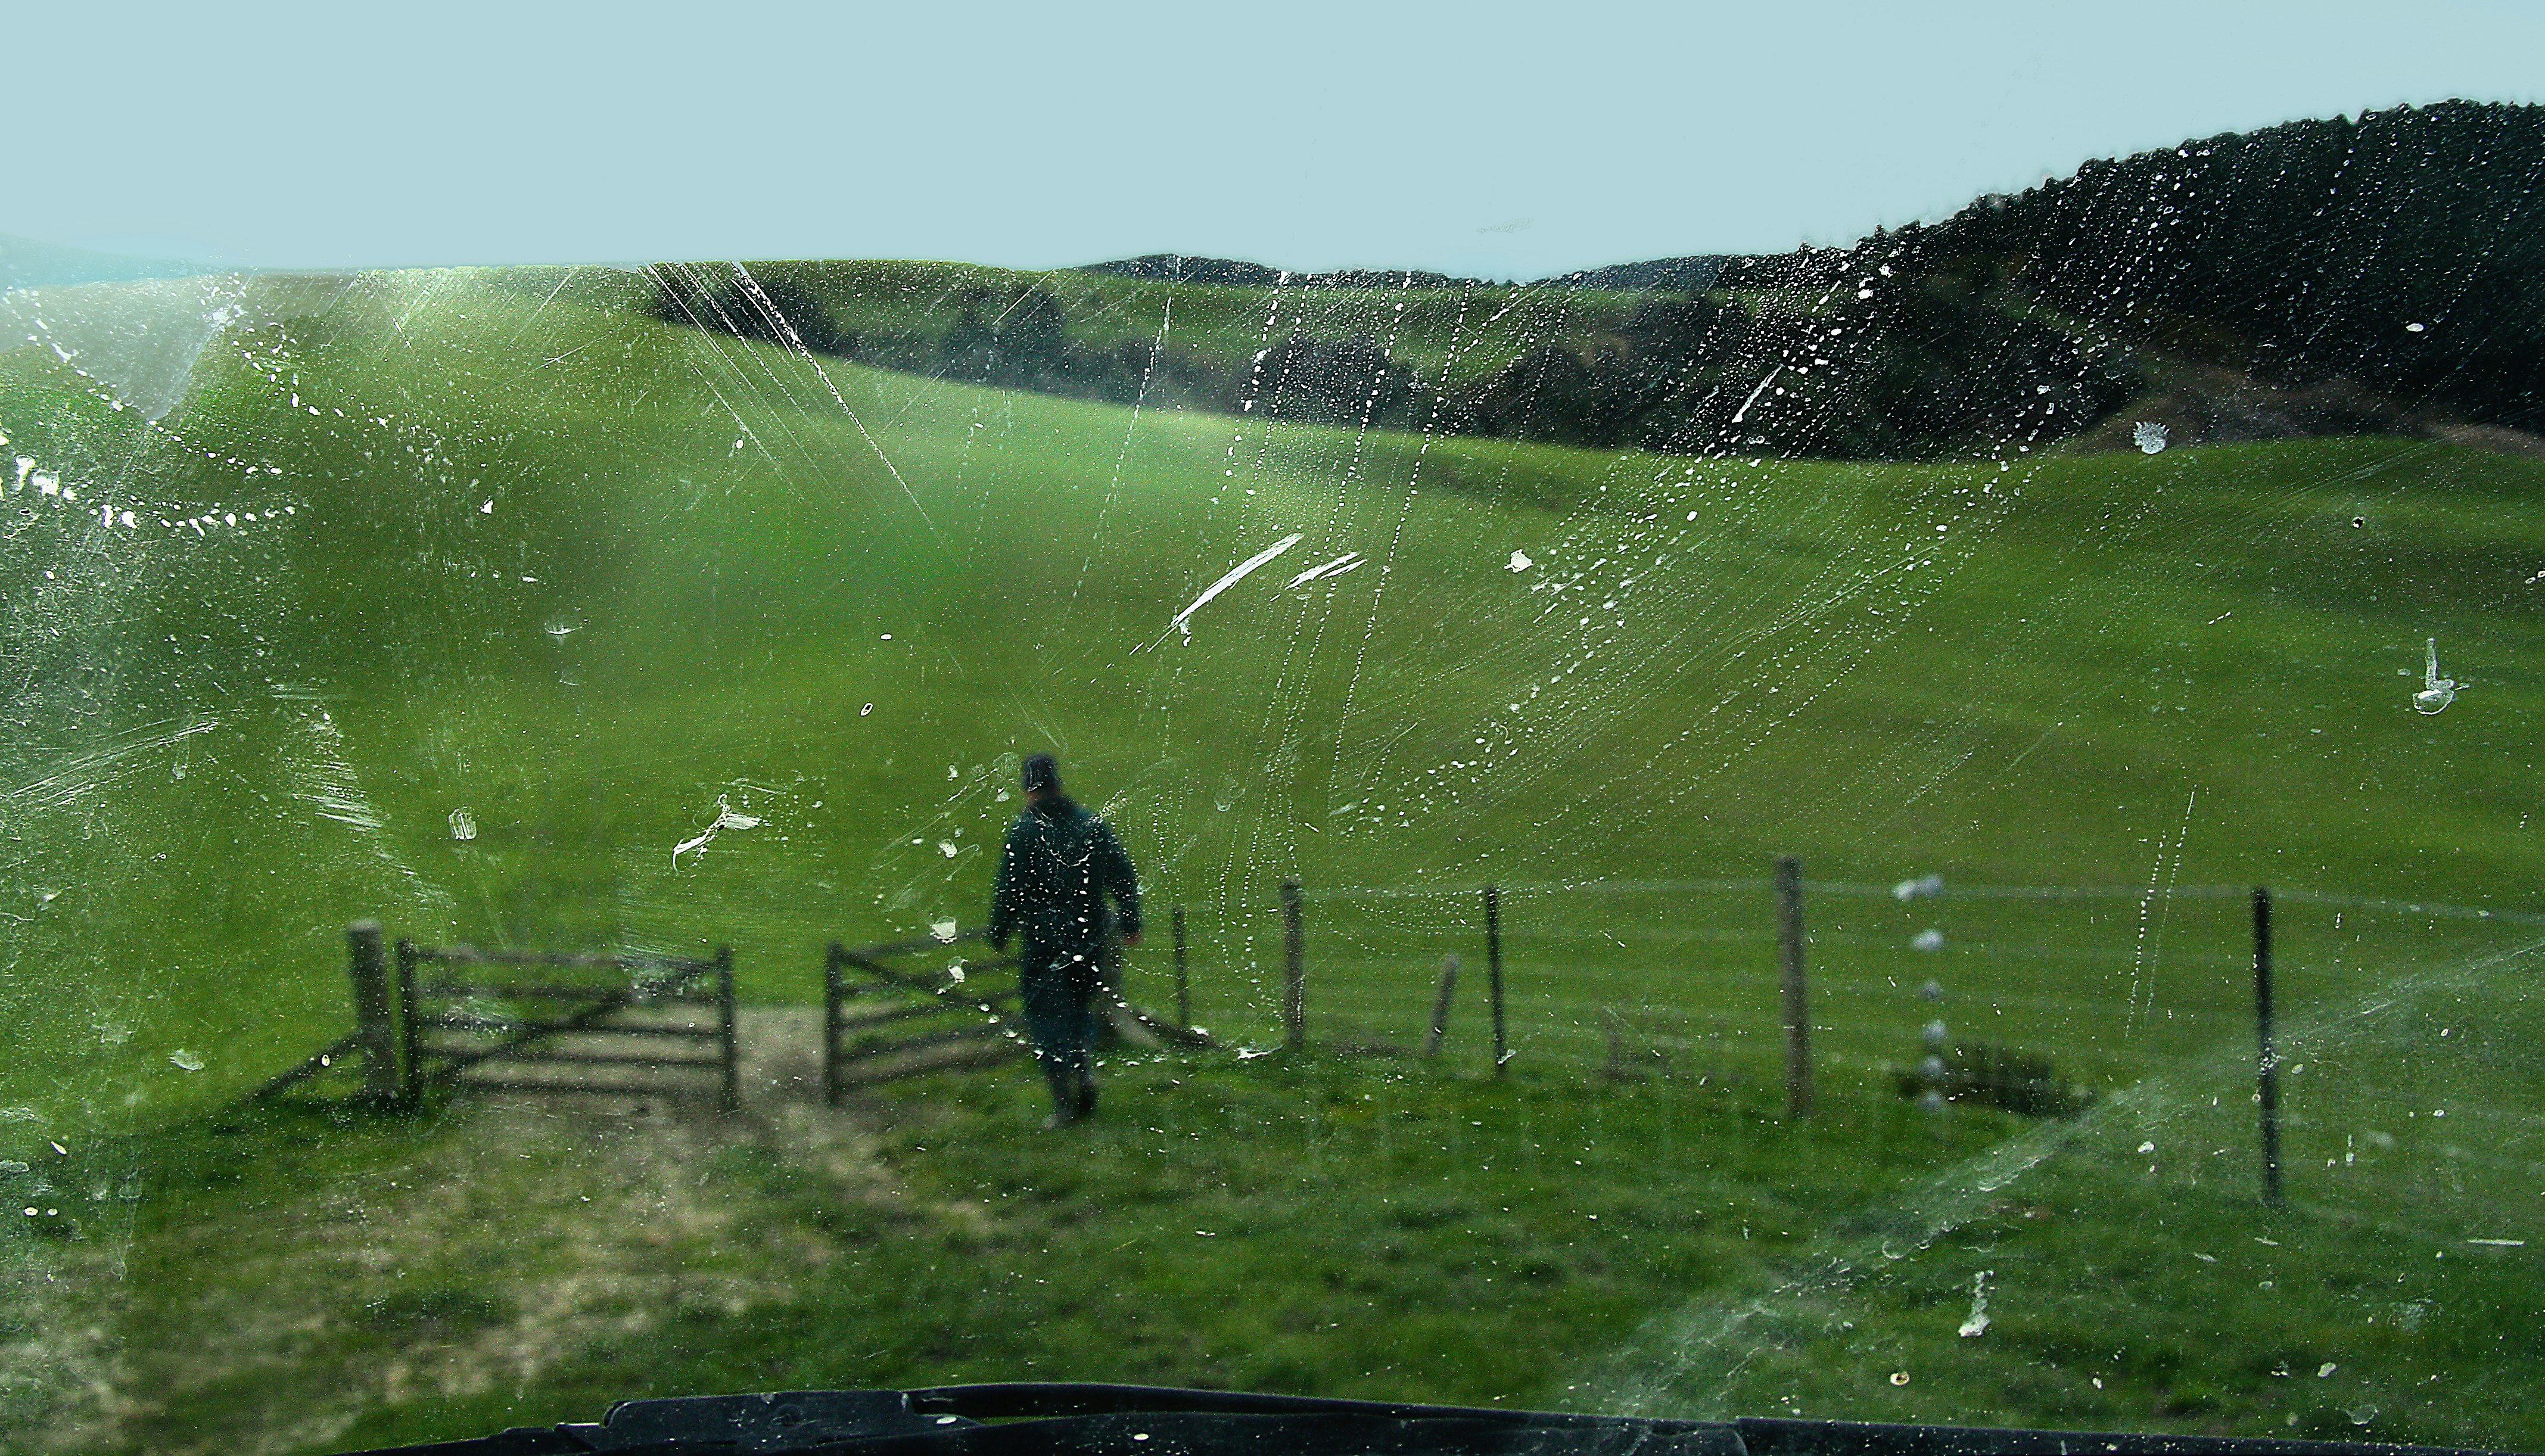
[1060, 866]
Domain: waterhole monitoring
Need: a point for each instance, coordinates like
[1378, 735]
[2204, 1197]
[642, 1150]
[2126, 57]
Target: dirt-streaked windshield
[1930, 829]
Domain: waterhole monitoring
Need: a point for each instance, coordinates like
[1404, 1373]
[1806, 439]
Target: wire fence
[2407, 1034]
[2120, 979]
[2406, 1040]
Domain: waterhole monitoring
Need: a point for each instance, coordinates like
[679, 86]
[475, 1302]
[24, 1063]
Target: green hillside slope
[583, 575]
[474, 601]
[2313, 278]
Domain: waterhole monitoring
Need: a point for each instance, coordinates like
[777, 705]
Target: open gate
[899, 1020]
[532, 1022]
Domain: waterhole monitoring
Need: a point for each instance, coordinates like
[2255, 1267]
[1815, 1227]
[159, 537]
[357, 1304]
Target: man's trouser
[1056, 984]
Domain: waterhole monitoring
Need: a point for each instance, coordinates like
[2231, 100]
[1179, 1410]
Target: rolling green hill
[462, 599]
[2337, 276]
[421, 543]
[1097, 334]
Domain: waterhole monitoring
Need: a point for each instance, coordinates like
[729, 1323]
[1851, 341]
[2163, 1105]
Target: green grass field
[1459, 336]
[424, 543]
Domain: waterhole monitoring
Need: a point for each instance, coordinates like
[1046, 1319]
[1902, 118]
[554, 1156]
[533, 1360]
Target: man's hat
[1041, 774]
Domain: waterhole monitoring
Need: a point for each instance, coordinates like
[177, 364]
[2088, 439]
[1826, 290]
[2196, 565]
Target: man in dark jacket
[1061, 867]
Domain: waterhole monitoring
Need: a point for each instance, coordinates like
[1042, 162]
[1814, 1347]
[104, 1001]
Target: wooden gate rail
[318, 1061]
[877, 1056]
[587, 1011]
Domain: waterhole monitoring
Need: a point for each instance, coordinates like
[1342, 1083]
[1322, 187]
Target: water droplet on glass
[2148, 436]
[190, 1061]
[2437, 692]
[1929, 938]
[1978, 1323]
[1520, 561]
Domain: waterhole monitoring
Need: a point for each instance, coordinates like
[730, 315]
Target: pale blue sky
[1479, 137]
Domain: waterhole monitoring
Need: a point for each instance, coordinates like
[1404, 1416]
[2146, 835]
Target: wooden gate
[531, 1022]
[900, 1021]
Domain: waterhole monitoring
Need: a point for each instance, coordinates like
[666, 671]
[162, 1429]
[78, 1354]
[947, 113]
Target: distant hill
[1665, 274]
[1179, 268]
[1662, 274]
[2403, 252]
[2383, 274]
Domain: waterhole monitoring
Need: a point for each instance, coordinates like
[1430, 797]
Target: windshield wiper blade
[1071, 1420]
[778, 1422]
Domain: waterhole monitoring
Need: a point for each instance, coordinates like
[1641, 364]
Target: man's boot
[1065, 1098]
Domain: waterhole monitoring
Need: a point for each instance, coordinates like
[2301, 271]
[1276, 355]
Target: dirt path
[535, 1226]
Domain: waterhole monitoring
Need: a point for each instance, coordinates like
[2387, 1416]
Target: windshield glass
[1929, 828]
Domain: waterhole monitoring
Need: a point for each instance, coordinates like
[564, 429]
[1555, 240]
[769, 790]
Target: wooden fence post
[1184, 986]
[831, 1023]
[1441, 1007]
[1798, 1025]
[1494, 973]
[375, 1016]
[1293, 968]
[2266, 1063]
[411, 1048]
[729, 1097]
